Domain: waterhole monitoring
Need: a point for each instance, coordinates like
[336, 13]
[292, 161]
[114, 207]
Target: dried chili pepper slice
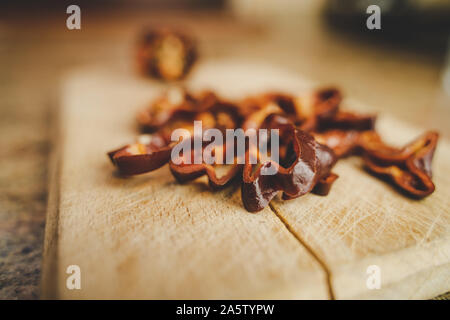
[140, 157]
[185, 171]
[374, 146]
[313, 134]
[323, 186]
[409, 168]
[341, 142]
[345, 120]
[166, 54]
[312, 162]
[175, 104]
[323, 105]
[188, 172]
[326, 103]
[178, 109]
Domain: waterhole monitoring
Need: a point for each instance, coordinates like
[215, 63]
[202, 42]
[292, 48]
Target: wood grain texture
[364, 221]
[148, 237]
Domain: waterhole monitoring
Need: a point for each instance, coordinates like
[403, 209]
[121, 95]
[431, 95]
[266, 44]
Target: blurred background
[402, 69]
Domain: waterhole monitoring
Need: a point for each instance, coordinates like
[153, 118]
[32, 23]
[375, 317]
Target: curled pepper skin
[409, 168]
[343, 143]
[313, 134]
[323, 186]
[344, 120]
[177, 108]
[185, 173]
[140, 158]
[312, 162]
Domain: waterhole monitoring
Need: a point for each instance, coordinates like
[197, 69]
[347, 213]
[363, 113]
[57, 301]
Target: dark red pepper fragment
[409, 168]
[178, 109]
[312, 162]
[140, 158]
[323, 186]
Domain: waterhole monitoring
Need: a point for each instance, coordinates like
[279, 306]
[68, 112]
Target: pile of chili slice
[313, 134]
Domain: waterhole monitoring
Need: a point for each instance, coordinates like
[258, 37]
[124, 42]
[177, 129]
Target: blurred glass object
[420, 24]
[446, 74]
[52, 5]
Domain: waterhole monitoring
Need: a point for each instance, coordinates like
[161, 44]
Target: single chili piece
[312, 162]
[166, 54]
[409, 168]
[140, 157]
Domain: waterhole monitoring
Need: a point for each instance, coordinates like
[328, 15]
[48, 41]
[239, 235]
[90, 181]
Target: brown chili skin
[323, 186]
[140, 158]
[166, 54]
[325, 106]
[187, 110]
[345, 121]
[186, 173]
[343, 143]
[408, 168]
[313, 162]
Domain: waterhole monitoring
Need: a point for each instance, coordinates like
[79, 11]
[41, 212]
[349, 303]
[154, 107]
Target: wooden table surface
[35, 51]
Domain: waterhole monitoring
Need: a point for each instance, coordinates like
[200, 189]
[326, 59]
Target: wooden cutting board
[149, 237]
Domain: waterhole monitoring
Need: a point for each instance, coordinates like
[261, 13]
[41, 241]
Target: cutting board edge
[50, 257]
